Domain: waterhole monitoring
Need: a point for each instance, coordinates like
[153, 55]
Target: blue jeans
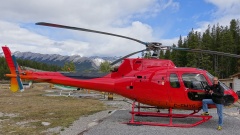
[205, 103]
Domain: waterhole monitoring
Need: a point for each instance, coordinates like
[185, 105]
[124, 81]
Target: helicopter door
[176, 92]
[195, 84]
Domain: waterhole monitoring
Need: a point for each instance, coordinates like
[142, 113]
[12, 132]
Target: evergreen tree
[193, 43]
[161, 56]
[175, 55]
[147, 55]
[182, 55]
[215, 38]
[167, 54]
[70, 67]
[105, 66]
[235, 33]
[207, 59]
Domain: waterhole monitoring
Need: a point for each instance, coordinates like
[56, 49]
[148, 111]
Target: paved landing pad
[112, 125]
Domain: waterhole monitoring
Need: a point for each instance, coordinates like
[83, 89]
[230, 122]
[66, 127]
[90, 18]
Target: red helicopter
[155, 82]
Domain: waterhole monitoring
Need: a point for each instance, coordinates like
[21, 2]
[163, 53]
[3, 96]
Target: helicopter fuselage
[153, 82]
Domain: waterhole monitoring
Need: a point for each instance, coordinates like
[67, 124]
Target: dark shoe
[219, 128]
[205, 113]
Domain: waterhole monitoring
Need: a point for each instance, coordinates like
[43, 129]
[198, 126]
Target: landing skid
[170, 115]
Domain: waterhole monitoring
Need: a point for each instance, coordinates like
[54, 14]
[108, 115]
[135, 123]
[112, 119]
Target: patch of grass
[31, 109]
[4, 117]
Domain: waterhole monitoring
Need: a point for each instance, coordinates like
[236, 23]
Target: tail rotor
[20, 85]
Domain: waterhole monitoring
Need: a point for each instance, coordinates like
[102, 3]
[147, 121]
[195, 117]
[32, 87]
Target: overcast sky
[147, 20]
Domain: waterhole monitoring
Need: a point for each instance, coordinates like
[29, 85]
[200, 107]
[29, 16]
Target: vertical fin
[8, 57]
[16, 82]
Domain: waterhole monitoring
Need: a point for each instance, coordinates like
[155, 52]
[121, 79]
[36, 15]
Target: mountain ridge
[81, 63]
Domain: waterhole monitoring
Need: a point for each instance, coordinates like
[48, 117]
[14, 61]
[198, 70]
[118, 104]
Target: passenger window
[194, 81]
[174, 82]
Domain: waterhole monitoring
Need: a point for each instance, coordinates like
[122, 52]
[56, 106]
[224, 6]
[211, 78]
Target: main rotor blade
[208, 52]
[88, 30]
[118, 60]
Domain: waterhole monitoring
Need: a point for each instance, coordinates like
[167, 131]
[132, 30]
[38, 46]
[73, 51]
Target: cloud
[75, 12]
[226, 7]
[120, 17]
[225, 11]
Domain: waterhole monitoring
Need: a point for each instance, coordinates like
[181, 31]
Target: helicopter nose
[229, 99]
[235, 96]
[238, 93]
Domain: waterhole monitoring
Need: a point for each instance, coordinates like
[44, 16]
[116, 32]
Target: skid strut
[170, 115]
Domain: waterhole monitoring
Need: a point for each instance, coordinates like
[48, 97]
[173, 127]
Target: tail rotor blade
[20, 85]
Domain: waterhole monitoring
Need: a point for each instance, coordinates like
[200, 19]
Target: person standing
[217, 94]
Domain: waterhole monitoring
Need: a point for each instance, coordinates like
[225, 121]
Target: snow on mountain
[81, 63]
[98, 61]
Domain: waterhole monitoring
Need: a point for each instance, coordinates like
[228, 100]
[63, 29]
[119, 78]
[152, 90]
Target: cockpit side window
[194, 81]
[174, 82]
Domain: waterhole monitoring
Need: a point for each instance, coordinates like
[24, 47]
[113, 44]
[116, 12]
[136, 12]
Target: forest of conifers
[214, 38]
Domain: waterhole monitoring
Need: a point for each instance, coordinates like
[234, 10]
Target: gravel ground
[111, 122]
[112, 125]
[83, 124]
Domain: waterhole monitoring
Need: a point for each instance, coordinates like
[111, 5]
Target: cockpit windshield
[194, 81]
[221, 84]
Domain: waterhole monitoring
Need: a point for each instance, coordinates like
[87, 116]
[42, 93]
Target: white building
[232, 82]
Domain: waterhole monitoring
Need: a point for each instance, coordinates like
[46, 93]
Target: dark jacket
[218, 93]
